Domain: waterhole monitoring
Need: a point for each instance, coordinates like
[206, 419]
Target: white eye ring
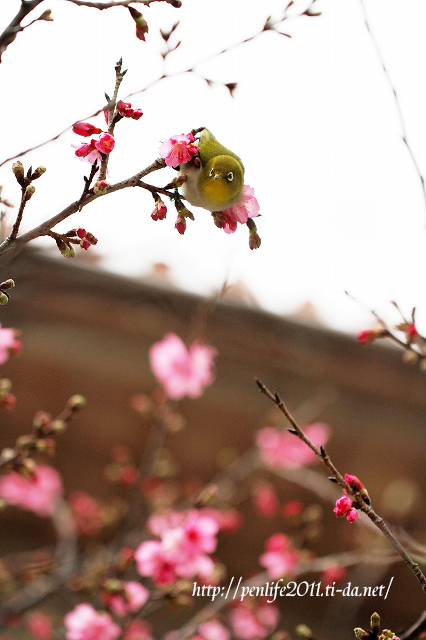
[211, 172]
[230, 176]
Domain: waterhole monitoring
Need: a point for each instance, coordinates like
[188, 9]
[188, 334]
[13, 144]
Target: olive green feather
[209, 148]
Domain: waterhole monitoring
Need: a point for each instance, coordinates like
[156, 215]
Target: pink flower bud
[370, 335]
[81, 232]
[137, 114]
[343, 505]
[353, 482]
[122, 106]
[100, 187]
[180, 224]
[85, 129]
[105, 144]
[85, 244]
[128, 112]
[91, 238]
[352, 515]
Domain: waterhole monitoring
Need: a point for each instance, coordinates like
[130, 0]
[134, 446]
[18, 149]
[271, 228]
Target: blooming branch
[361, 499]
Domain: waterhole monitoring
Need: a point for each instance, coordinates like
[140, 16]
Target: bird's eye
[230, 176]
[211, 172]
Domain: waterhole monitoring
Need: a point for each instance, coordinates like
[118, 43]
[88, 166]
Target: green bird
[218, 182]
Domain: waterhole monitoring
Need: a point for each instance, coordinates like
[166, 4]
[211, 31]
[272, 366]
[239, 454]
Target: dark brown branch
[362, 504]
[12, 30]
[45, 227]
[121, 3]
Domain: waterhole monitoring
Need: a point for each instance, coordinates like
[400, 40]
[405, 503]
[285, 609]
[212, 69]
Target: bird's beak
[217, 176]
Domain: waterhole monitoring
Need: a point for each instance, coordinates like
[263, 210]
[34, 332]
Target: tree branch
[12, 30]
[362, 504]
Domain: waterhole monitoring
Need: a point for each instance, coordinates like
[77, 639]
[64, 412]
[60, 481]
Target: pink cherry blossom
[185, 540]
[182, 371]
[265, 500]
[246, 207]
[280, 559]
[106, 143]
[178, 149]
[251, 620]
[38, 493]
[332, 574]
[342, 507]
[283, 450]
[8, 344]
[352, 515]
[84, 623]
[87, 152]
[136, 595]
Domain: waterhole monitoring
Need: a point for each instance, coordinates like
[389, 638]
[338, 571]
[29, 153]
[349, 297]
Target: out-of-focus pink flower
[251, 620]
[266, 501]
[370, 335]
[105, 144]
[84, 623]
[178, 149]
[280, 559]
[292, 508]
[8, 344]
[138, 630]
[136, 595]
[85, 129]
[246, 207]
[186, 538]
[228, 521]
[342, 507]
[332, 574]
[87, 514]
[354, 482]
[38, 493]
[179, 370]
[283, 450]
[40, 626]
[212, 630]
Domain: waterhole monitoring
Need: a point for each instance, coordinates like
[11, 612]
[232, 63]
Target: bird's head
[222, 181]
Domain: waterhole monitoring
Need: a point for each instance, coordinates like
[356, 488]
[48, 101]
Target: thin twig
[12, 30]
[397, 104]
[121, 3]
[362, 504]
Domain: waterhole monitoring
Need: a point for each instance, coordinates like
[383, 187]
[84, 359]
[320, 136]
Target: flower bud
[18, 170]
[180, 224]
[80, 232]
[100, 187]
[137, 113]
[7, 454]
[360, 633]
[85, 244]
[7, 284]
[254, 241]
[8, 402]
[25, 442]
[57, 426]
[85, 129]
[29, 191]
[91, 238]
[375, 621]
[141, 24]
[3, 298]
[41, 420]
[38, 172]
[303, 631]
[46, 15]
[77, 402]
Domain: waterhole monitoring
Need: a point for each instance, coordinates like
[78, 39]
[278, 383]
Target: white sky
[313, 119]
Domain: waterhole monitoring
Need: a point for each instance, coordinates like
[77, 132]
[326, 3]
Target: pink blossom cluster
[126, 111]
[279, 559]
[283, 450]
[253, 620]
[180, 370]
[344, 507]
[38, 493]
[185, 539]
[85, 623]
[178, 149]
[87, 239]
[265, 500]
[212, 630]
[91, 152]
